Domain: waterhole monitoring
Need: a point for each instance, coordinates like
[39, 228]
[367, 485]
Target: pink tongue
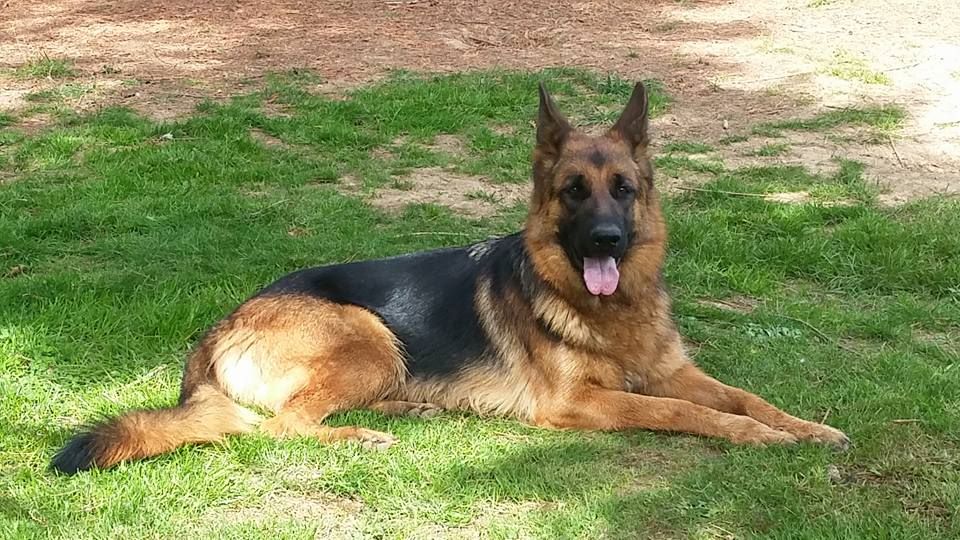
[600, 275]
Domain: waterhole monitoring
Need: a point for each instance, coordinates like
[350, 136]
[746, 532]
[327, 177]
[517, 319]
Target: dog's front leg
[613, 410]
[691, 384]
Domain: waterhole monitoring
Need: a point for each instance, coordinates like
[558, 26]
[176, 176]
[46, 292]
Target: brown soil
[739, 304]
[266, 139]
[448, 144]
[334, 517]
[728, 63]
[473, 196]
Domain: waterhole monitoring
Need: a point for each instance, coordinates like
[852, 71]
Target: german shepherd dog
[564, 325]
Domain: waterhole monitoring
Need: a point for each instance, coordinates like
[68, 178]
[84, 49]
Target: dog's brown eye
[622, 186]
[575, 186]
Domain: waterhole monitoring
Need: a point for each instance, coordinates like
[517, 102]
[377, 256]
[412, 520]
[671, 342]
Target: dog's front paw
[374, 440]
[822, 433]
[752, 432]
[425, 410]
[282, 426]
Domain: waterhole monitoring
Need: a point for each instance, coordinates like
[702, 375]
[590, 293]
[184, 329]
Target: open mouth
[601, 275]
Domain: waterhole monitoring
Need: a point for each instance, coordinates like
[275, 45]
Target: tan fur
[207, 416]
[559, 357]
[407, 408]
[619, 347]
[265, 355]
[301, 358]
[566, 321]
[506, 388]
[304, 359]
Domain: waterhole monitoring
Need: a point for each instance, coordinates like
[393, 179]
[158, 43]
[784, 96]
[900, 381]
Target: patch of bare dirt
[448, 144]
[652, 469]
[266, 139]
[943, 340]
[34, 123]
[443, 144]
[818, 152]
[386, 153]
[469, 195]
[12, 98]
[489, 517]
[348, 184]
[728, 64]
[272, 109]
[802, 197]
[915, 47]
[674, 184]
[334, 517]
[788, 197]
[738, 304]
[383, 154]
[338, 90]
[256, 191]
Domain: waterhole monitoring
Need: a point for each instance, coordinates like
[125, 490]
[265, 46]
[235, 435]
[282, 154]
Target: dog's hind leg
[304, 417]
[306, 359]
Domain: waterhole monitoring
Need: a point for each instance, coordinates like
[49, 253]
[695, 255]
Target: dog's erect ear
[552, 127]
[633, 125]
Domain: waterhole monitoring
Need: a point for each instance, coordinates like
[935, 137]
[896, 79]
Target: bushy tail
[206, 416]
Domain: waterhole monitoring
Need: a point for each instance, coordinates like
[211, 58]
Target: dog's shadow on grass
[539, 472]
[615, 483]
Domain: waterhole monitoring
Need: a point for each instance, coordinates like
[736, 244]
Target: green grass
[130, 244]
[484, 196]
[771, 150]
[851, 68]
[687, 147]
[66, 91]
[884, 119]
[733, 139]
[766, 130]
[878, 122]
[674, 165]
[44, 67]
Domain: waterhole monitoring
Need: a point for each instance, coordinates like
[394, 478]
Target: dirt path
[729, 64]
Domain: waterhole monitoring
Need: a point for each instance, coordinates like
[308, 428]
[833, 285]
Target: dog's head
[593, 198]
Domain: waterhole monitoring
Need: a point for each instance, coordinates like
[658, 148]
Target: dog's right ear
[633, 126]
[552, 127]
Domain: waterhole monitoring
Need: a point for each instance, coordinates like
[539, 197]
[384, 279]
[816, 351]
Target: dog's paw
[425, 410]
[407, 408]
[822, 433]
[282, 427]
[374, 440]
[752, 432]
[773, 436]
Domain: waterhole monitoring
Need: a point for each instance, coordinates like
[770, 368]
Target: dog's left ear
[633, 126]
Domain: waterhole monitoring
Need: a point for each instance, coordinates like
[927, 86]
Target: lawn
[123, 239]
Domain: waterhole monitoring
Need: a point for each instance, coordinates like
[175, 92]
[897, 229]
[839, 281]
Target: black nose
[606, 235]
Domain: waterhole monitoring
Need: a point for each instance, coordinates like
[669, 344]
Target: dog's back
[565, 325]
